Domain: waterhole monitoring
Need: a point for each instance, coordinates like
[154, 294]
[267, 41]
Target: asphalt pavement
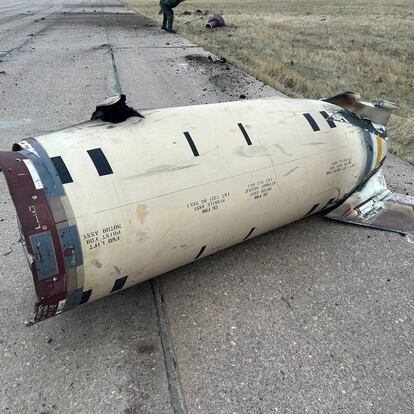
[315, 317]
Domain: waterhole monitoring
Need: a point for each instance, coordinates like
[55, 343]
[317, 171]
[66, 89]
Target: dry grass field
[314, 48]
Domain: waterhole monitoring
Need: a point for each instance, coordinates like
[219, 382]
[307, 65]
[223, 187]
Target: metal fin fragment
[374, 205]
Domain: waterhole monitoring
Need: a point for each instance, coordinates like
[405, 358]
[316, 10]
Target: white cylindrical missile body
[151, 194]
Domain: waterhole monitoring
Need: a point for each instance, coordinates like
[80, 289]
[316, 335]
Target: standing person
[168, 13]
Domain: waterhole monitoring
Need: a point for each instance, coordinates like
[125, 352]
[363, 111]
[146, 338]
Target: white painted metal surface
[165, 206]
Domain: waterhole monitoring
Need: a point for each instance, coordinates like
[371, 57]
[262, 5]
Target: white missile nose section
[103, 208]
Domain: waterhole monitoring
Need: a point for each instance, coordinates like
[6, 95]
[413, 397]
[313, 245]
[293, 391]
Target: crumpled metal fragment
[215, 21]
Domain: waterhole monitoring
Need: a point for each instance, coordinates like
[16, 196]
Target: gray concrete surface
[315, 317]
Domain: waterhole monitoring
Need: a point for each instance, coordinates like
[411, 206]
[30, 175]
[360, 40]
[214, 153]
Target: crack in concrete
[21, 45]
[117, 87]
[174, 388]
[32, 36]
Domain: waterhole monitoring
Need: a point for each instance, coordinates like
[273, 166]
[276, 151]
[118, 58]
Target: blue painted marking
[69, 239]
[44, 175]
[44, 255]
[46, 169]
[73, 299]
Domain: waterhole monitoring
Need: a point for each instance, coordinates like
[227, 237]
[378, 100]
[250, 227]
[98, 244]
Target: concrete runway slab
[314, 317]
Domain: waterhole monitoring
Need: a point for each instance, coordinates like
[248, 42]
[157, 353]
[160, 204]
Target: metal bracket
[72, 252]
[44, 255]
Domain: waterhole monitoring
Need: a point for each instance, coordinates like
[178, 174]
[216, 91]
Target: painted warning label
[102, 237]
[260, 188]
[340, 165]
[208, 204]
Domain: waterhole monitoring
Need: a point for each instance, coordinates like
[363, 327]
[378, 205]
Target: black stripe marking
[312, 122]
[119, 283]
[328, 203]
[328, 120]
[62, 170]
[201, 252]
[86, 296]
[250, 233]
[245, 134]
[312, 209]
[192, 145]
[100, 161]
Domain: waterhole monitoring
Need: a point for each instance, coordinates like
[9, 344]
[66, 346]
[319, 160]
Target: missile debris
[102, 206]
[215, 21]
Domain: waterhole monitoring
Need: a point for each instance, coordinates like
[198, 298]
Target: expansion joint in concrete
[117, 86]
[174, 388]
[21, 45]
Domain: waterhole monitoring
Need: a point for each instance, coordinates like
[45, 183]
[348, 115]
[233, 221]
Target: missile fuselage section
[104, 206]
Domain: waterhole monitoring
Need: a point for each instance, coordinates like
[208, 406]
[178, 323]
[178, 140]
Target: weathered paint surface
[181, 184]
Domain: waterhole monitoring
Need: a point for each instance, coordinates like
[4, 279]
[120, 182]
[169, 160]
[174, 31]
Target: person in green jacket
[168, 13]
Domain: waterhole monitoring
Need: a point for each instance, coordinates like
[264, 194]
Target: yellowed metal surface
[163, 206]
